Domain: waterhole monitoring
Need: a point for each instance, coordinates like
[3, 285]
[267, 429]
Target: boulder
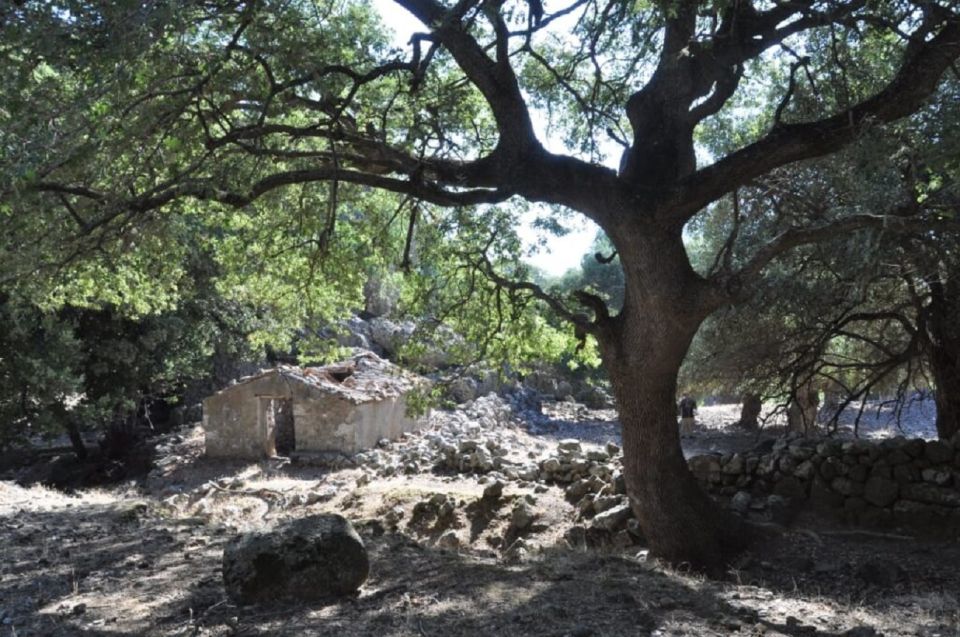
[881, 491]
[938, 452]
[704, 465]
[308, 559]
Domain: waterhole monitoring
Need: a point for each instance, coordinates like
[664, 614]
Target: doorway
[278, 426]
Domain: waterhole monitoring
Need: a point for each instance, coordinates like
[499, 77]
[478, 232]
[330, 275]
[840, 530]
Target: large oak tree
[226, 103]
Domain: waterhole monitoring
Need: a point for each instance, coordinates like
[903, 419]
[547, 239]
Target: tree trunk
[750, 412]
[947, 376]
[945, 364]
[803, 409]
[76, 440]
[642, 349]
[944, 353]
[682, 524]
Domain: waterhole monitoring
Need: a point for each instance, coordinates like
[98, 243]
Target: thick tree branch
[494, 79]
[916, 80]
[795, 237]
[204, 190]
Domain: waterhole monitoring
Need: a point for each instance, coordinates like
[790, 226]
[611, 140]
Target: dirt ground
[144, 559]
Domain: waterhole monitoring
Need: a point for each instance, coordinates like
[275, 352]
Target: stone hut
[344, 408]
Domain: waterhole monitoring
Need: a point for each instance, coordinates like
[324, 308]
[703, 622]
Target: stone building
[344, 407]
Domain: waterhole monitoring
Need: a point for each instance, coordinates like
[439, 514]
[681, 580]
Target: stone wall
[232, 423]
[894, 483]
[332, 425]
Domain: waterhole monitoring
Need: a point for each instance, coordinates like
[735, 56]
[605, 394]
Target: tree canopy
[292, 138]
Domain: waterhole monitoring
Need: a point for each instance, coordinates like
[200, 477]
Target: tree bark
[76, 440]
[944, 354]
[750, 412]
[946, 374]
[643, 348]
[802, 411]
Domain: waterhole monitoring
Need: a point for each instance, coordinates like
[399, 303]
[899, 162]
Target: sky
[559, 253]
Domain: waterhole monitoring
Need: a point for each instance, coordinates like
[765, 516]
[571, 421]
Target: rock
[734, 465]
[324, 495]
[578, 489]
[790, 487]
[550, 465]
[393, 516]
[619, 484]
[570, 445]
[804, 470]
[633, 527]
[915, 447]
[613, 519]
[881, 572]
[778, 507]
[449, 540]
[307, 559]
[859, 473]
[598, 455]
[521, 518]
[906, 473]
[829, 448]
[938, 452]
[576, 536]
[740, 502]
[705, 464]
[845, 486]
[830, 468]
[860, 631]
[936, 476]
[931, 494]
[855, 447]
[528, 473]
[605, 502]
[881, 491]
[517, 552]
[493, 491]
[462, 389]
[898, 457]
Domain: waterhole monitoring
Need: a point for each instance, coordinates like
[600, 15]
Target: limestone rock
[449, 540]
[613, 519]
[570, 445]
[521, 518]
[308, 559]
[493, 491]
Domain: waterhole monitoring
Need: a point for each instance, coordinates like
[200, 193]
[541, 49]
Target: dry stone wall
[894, 483]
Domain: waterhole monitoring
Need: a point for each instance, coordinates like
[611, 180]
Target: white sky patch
[554, 255]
